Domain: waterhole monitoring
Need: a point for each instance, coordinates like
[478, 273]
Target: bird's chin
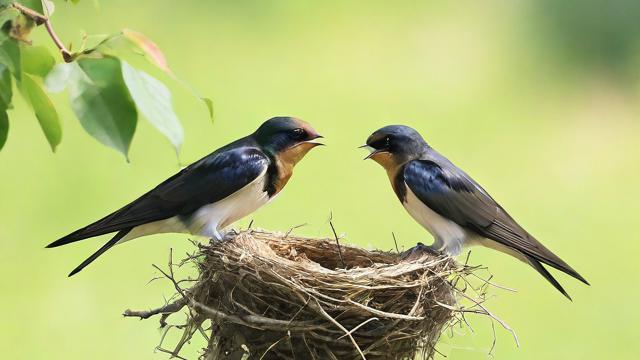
[383, 158]
[304, 146]
[375, 154]
[296, 152]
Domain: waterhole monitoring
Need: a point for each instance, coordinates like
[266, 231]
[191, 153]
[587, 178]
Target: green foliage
[592, 33]
[133, 41]
[10, 56]
[5, 102]
[4, 127]
[57, 79]
[36, 60]
[154, 101]
[100, 99]
[5, 88]
[43, 108]
[105, 92]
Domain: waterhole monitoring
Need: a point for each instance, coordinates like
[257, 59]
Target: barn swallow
[212, 193]
[451, 206]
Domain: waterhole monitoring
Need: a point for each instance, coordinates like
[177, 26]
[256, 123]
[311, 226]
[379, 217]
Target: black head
[395, 145]
[283, 133]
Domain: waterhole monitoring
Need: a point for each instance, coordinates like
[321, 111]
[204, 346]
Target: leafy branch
[41, 19]
[106, 92]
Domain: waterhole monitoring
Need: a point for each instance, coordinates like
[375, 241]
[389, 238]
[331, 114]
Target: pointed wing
[451, 193]
[209, 180]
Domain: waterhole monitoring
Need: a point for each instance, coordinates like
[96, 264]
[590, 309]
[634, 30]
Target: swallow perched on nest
[212, 193]
[449, 204]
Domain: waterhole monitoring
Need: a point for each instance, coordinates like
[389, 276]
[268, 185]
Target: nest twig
[278, 296]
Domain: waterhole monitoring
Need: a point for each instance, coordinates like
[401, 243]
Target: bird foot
[418, 250]
[218, 235]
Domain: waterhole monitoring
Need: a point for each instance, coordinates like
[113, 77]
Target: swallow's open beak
[373, 151]
[314, 140]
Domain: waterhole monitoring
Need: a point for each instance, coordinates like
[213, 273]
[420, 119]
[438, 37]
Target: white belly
[449, 236]
[210, 219]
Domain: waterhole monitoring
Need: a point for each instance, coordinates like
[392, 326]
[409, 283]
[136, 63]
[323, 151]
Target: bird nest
[263, 295]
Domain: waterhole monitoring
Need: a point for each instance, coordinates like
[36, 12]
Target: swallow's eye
[387, 142]
[298, 133]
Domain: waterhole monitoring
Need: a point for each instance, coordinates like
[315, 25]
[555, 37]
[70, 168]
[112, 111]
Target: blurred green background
[538, 100]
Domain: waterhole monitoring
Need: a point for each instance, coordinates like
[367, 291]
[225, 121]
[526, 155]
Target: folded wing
[451, 193]
[204, 182]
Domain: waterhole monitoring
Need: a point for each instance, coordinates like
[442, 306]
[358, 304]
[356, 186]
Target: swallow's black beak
[373, 152]
[314, 140]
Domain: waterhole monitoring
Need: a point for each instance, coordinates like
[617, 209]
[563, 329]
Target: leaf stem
[41, 19]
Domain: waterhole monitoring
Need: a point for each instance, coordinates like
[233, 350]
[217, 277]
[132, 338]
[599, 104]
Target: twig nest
[279, 296]
[286, 297]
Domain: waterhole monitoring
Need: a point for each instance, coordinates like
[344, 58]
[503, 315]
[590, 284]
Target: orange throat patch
[386, 160]
[287, 160]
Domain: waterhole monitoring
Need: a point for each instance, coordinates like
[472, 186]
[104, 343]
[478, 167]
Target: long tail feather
[78, 235]
[545, 273]
[100, 251]
[564, 267]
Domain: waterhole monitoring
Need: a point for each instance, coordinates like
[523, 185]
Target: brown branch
[165, 310]
[173, 355]
[41, 19]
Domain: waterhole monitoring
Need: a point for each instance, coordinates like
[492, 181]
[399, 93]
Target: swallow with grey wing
[212, 193]
[451, 206]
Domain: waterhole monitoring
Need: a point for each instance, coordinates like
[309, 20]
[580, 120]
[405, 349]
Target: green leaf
[100, 99]
[58, 78]
[10, 56]
[33, 5]
[43, 108]
[4, 128]
[209, 103]
[154, 102]
[36, 60]
[5, 88]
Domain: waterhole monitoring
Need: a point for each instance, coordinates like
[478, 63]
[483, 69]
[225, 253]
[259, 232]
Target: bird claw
[418, 250]
[218, 236]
